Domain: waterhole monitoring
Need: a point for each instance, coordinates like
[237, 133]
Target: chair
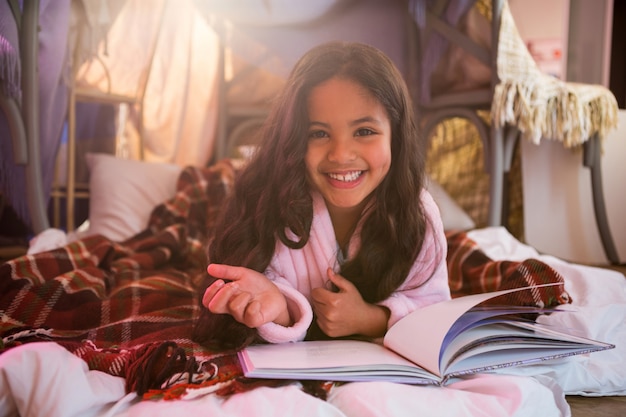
[539, 106]
[519, 99]
[452, 47]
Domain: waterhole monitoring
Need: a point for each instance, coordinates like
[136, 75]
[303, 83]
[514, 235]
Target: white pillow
[124, 192]
[452, 215]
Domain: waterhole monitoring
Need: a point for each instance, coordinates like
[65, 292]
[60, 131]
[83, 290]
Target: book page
[322, 354]
[491, 360]
[420, 335]
[477, 315]
[333, 359]
[503, 335]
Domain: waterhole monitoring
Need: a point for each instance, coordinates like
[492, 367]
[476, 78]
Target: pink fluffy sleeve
[300, 312]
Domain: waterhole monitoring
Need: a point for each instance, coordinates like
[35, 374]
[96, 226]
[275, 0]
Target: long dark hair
[272, 193]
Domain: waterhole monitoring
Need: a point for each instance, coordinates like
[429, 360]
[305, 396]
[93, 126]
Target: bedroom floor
[597, 406]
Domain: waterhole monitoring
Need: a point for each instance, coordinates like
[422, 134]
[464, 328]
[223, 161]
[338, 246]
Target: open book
[430, 346]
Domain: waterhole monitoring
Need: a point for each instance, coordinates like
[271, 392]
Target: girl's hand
[249, 296]
[345, 313]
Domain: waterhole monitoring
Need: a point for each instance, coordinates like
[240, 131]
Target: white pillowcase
[452, 215]
[123, 193]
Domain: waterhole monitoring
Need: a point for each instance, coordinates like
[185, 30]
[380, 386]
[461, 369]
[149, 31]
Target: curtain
[163, 54]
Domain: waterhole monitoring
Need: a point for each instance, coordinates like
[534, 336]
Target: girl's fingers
[247, 295]
[210, 292]
[219, 302]
[227, 272]
[340, 282]
[253, 316]
[237, 306]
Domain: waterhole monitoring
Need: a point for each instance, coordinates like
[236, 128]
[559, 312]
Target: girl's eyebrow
[316, 123]
[365, 119]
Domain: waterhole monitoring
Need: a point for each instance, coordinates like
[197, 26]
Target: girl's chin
[343, 203]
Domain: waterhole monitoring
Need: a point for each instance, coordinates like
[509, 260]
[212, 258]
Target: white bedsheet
[600, 299]
[44, 379]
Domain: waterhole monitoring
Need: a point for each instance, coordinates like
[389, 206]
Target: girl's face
[349, 144]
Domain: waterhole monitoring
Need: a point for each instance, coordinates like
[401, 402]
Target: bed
[99, 322]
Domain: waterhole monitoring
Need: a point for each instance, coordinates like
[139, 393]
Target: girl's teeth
[351, 176]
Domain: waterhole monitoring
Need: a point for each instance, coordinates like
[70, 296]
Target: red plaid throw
[471, 271]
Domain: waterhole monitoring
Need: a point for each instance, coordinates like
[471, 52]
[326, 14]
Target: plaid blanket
[129, 308]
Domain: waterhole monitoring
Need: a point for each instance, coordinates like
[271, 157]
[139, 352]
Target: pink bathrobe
[297, 272]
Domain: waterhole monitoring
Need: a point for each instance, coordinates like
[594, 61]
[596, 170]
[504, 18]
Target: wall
[558, 209]
[547, 27]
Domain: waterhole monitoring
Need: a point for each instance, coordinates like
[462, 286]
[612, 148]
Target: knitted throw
[540, 105]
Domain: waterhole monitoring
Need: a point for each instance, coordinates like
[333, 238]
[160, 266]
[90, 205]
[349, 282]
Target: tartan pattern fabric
[118, 304]
[129, 308]
[471, 271]
[130, 291]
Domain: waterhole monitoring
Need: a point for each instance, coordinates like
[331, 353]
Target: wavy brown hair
[272, 193]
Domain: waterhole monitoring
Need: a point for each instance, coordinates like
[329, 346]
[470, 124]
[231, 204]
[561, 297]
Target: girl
[330, 223]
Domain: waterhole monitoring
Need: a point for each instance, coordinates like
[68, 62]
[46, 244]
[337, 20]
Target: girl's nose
[341, 150]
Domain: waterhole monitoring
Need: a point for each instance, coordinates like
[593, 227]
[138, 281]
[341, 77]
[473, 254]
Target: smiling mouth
[346, 177]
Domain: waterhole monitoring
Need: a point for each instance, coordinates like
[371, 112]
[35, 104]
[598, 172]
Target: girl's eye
[364, 132]
[317, 134]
